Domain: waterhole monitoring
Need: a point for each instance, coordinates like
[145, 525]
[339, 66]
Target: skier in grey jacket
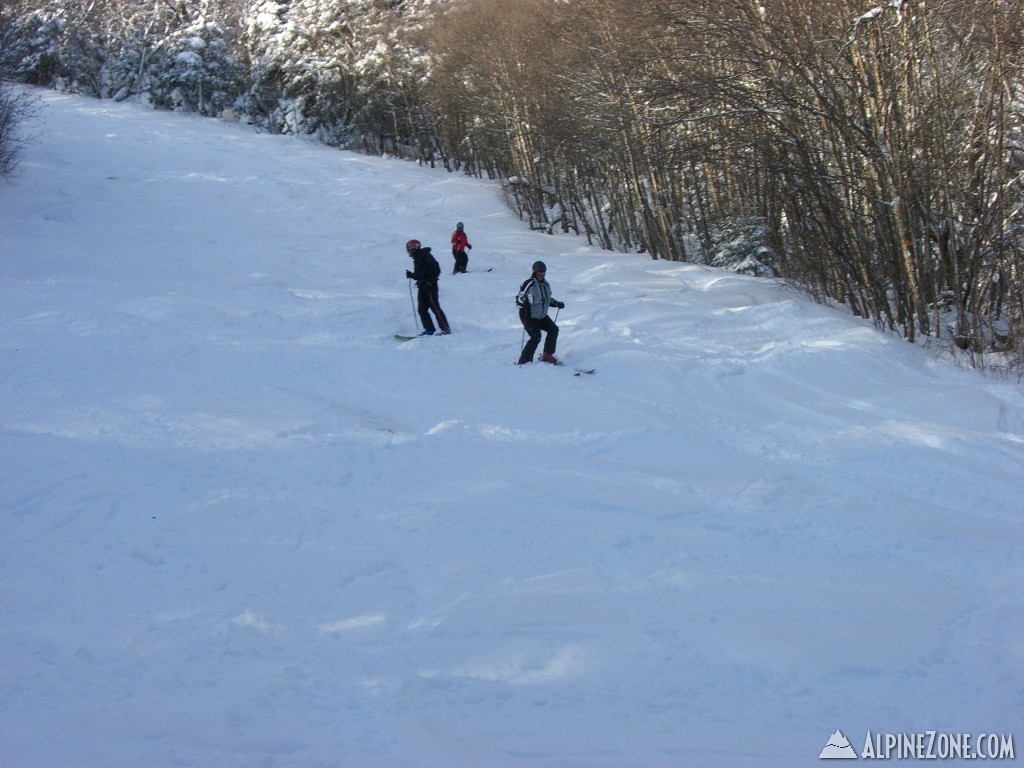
[533, 300]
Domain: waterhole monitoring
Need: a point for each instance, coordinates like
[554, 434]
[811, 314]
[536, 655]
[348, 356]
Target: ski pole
[415, 317]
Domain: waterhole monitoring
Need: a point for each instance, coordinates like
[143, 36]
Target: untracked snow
[242, 526]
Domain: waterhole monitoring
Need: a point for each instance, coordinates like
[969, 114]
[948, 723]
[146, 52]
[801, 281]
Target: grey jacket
[535, 296]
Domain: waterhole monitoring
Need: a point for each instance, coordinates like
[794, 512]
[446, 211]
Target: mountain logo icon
[838, 748]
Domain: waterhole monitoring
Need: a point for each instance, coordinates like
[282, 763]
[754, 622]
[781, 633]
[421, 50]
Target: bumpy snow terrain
[243, 526]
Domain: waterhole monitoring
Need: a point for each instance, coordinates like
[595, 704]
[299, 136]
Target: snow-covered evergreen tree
[300, 81]
[194, 69]
[265, 39]
[32, 53]
[392, 62]
[346, 72]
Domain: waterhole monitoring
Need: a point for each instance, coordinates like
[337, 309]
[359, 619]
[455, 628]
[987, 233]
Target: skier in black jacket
[533, 300]
[426, 271]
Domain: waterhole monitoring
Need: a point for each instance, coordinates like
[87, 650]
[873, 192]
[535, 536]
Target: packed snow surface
[243, 526]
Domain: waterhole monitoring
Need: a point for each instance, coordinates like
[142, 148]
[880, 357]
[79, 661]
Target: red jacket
[460, 241]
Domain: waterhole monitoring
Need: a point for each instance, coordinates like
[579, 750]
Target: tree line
[872, 153]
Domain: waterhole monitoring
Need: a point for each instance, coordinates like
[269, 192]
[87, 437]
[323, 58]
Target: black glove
[470, 247]
[408, 274]
[558, 304]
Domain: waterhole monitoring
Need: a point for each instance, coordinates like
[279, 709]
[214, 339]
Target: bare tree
[16, 109]
[16, 106]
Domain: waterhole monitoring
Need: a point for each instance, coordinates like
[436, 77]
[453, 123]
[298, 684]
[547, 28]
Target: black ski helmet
[459, 226]
[539, 266]
[412, 245]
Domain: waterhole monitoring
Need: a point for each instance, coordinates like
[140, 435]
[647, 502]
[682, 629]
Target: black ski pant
[461, 261]
[533, 329]
[428, 302]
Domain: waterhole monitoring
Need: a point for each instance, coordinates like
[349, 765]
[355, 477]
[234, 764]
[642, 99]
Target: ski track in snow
[242, 526]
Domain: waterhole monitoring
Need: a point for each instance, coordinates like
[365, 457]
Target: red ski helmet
[412, 245]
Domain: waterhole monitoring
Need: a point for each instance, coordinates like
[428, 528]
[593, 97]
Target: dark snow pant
[428, 302]
[461, 261]
[533, 329]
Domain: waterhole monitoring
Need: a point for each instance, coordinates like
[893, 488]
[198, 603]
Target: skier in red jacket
[460, 244]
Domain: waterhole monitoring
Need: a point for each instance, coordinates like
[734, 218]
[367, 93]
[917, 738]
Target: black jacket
[425, 268]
